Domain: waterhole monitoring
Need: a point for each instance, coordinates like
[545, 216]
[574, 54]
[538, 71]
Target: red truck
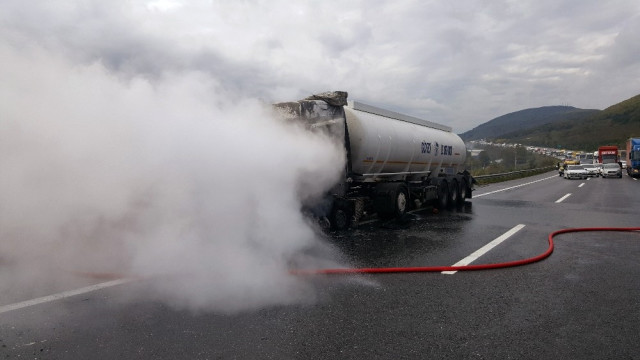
[608, 154]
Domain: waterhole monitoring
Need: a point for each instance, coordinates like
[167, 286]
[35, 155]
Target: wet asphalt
[580, 303]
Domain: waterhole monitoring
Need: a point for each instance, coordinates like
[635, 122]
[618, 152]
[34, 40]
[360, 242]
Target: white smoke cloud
[171, 179]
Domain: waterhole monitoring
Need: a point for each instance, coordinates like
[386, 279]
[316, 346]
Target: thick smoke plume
[167, 179]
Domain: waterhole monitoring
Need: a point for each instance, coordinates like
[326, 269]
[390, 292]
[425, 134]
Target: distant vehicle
[575, 172]
[589, 159]
[633, 157]
[585, 158]
[592, 170]
[608, 154]
[611, 170]
[622, 154]
[623, 164]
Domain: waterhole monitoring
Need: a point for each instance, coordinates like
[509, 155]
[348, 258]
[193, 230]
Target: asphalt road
[583, 302]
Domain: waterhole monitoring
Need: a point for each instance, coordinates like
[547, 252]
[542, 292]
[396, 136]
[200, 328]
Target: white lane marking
[581, 185]
[483, 250]
[513, 187]
[563, 198]
[62, 295]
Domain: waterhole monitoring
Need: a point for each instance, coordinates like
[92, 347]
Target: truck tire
[392, 200]
[463, 192]
[339, 219]
[402, 200]
[443, 195]
[340, 216]
[454, 193]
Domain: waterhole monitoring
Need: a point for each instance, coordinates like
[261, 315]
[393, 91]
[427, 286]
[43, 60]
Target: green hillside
[521, 122]
[611, 126]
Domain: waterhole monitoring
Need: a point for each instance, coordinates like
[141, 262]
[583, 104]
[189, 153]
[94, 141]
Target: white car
[611, 170]
[575, 172]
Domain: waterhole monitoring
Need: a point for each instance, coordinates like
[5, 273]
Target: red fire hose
[459, 268]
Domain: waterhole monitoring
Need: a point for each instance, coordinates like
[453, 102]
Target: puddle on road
[405, 242]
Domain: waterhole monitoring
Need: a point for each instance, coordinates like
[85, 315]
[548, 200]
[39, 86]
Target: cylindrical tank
[385, 144]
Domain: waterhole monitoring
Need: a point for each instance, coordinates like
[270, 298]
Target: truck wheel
[454, 193]
[463, 192]
[443, 195]
[402, 200]
[340, 217]
[392, 200]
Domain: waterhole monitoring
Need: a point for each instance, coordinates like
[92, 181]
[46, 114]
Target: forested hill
[611, 126]
[523, 120]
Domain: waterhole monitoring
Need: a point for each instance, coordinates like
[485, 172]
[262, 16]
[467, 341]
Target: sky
[459, 63]
[135, 139]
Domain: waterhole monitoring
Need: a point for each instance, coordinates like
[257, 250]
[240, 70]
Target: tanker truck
[394, 162]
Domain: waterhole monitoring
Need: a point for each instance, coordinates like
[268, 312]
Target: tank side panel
[383, 145]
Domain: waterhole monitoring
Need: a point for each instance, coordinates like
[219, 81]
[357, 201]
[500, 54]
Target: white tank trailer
[395, 162]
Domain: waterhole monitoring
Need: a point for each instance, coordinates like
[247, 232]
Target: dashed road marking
[563, 198]
[483, 250]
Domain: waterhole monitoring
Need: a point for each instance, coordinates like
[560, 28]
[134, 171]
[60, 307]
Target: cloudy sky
[461, 63]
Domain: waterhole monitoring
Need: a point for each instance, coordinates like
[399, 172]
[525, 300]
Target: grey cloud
[626, 49]
[450, 60]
